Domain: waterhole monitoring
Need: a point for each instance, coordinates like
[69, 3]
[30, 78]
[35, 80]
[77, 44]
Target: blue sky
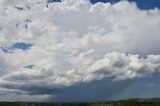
[19, 45]
[74, 51]
[142, 4]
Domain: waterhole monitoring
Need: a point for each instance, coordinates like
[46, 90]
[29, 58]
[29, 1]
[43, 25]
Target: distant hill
[128, 102]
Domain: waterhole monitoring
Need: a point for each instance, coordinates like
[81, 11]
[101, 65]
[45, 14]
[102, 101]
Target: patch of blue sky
[30, 66]
[104, 1]
[19, 45]
[141, 4]
[22, 46]
[51, 1]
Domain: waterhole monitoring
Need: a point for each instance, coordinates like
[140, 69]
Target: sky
[79, 50]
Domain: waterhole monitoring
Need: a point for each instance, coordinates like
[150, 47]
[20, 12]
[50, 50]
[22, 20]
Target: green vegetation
[132, 102]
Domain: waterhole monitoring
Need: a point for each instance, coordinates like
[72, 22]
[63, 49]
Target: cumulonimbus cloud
[74, 42]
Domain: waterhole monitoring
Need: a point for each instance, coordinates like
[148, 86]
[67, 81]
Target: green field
[131, 102]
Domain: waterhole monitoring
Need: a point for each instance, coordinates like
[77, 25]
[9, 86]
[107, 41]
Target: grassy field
[133, 102]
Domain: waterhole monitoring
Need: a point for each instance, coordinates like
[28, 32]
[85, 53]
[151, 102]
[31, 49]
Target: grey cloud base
[118, 66]
[74, 43]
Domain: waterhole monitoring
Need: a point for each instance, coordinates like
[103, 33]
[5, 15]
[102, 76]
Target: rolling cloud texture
[44, 52]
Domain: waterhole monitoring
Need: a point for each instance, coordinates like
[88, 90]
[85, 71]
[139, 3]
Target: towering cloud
[73, 42]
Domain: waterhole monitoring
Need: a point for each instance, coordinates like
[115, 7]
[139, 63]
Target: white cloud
[17, 95]
[83, 69]
[73, 42]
